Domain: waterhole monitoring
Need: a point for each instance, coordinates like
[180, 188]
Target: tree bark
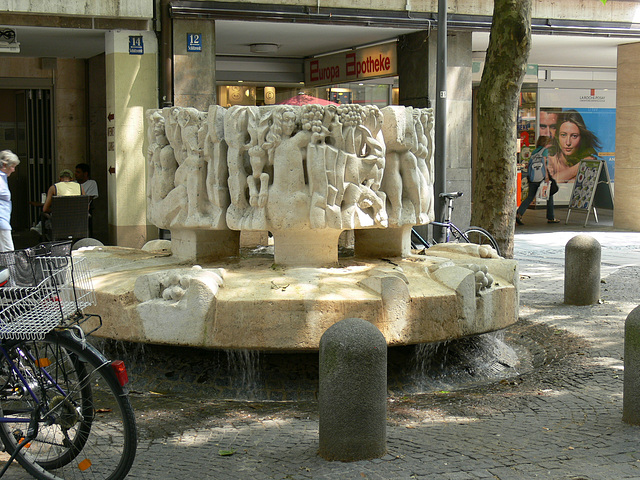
[494, 192]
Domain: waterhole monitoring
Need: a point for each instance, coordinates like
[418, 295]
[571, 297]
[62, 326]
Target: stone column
[459, 118]
[627, 174]
[194, 72]
[132, 87]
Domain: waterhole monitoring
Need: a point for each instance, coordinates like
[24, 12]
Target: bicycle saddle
[451, 195]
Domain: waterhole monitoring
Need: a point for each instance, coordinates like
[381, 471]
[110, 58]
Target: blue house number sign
[136, 47]
[194, 42]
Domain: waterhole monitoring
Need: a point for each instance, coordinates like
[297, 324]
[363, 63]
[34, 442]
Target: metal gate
[40, 146]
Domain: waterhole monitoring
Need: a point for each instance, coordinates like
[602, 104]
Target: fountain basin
[249, 302]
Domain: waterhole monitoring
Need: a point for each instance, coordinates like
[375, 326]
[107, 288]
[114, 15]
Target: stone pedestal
[306, 247]
[387, 242]
[203, 245]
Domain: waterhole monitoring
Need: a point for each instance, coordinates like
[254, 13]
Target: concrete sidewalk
[560, 421]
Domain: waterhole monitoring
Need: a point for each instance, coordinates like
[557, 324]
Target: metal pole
[440, 183]
[166, 54]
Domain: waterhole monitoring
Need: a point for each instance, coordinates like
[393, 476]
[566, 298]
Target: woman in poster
[574, 142]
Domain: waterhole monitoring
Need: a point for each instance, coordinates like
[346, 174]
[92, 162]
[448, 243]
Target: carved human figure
[157, 139]
[215, 156]
[258, 181]
[318, 152]
[192, 172]
[173, 132]
[237, 137]
[162, 165]
[166, 203]
[288, 203]
[401, 179]
[423, 150]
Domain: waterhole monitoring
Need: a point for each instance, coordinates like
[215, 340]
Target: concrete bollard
[582, 271]
[353, 392]
[631, 389]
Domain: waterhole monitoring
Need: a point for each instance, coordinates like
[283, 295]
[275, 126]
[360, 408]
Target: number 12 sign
[194, 42]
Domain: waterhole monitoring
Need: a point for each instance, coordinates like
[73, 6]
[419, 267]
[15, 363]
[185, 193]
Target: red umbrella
[304, 99]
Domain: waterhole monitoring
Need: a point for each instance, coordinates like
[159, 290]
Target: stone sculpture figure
[166, 204]
[424, 152]
[215, 156]
[236, 135]
[192, 170]
[288, 203]
[401, 180]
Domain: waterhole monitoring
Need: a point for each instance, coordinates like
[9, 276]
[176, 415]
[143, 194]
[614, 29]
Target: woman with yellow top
[63, 188]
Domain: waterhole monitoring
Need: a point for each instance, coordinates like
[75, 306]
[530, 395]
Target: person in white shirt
[90, 187]
[8, 163]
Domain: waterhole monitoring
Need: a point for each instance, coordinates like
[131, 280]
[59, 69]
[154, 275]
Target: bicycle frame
[24, 382]
[459, 234]
[28, 356]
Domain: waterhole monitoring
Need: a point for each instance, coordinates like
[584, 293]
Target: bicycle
[64, 408]
[477, 235]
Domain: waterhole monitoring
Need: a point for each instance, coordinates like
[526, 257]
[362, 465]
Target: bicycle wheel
[86, 426]
[480, 236]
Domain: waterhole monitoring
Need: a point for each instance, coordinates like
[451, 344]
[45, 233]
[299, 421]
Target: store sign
[359, 64]
[578, 97]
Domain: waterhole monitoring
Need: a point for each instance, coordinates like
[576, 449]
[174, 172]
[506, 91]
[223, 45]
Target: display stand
[592, 188]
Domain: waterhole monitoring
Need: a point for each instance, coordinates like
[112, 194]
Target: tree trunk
[494, 192]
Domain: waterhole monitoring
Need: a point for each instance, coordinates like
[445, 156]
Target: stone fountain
[219, 179]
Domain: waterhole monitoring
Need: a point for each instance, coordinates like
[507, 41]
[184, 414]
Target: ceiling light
[8, 42]
[263, 47]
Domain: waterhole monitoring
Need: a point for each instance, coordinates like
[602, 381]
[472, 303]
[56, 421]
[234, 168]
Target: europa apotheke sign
[370, 62]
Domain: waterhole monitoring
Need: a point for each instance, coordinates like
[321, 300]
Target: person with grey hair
[8, 163]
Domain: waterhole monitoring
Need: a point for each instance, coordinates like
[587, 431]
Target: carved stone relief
[290, 168]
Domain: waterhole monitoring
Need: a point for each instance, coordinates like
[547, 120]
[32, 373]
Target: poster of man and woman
[581, 125]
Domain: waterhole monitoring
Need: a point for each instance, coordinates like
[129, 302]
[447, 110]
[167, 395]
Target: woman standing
[8, 163]
[574, 142]
[538, 172]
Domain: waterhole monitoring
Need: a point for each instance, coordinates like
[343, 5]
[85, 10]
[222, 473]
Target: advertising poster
[582, 123]
[597, 108]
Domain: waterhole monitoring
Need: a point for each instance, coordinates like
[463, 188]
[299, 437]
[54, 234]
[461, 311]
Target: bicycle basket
[24, 271]
[30, 312]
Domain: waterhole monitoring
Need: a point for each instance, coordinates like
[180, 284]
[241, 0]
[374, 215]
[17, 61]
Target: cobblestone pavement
[560, 419]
